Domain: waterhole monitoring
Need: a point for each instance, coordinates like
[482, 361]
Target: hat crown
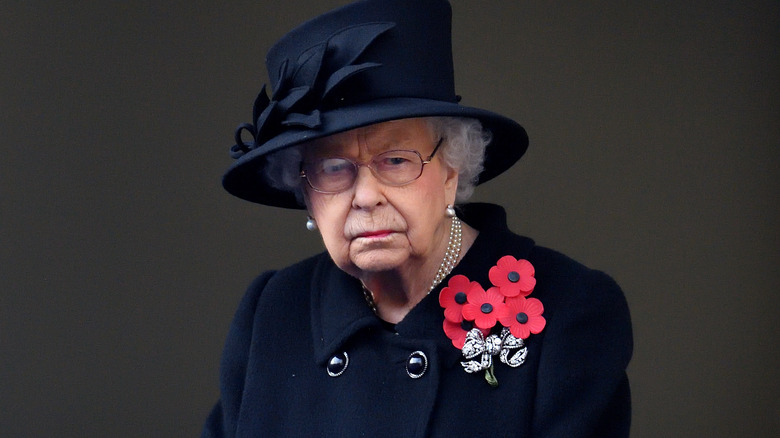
[368, 50]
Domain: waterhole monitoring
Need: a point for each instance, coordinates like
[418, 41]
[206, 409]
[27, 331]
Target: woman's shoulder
[550, 261]
[561, 271]
[272, 284]
[577, 296]
[295, 273]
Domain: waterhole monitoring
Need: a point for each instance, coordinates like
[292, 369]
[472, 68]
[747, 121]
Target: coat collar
[339, 309]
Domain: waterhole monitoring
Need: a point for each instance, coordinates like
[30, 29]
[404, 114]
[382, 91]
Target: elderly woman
[425, 316]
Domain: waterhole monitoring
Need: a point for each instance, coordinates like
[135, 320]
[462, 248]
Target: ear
[451, 185]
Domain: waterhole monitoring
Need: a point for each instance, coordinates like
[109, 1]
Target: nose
[367, 190]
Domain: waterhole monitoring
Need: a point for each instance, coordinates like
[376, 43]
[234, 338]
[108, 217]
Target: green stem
[491, 377]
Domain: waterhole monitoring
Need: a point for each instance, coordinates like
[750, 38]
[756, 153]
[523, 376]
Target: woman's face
[373, 227]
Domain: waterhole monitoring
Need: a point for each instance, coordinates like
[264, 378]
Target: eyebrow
[382, 143]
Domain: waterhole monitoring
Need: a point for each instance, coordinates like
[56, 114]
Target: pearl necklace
[452, 254]
[447, 264]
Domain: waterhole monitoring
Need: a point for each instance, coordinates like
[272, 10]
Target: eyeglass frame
[357, 166]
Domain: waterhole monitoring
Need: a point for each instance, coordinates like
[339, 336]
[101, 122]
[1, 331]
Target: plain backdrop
[655, 150]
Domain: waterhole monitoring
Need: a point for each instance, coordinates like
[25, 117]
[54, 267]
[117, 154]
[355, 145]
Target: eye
[333, 166]
[395, 160]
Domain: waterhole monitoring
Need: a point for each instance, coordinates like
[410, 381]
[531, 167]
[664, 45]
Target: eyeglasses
[392, 168]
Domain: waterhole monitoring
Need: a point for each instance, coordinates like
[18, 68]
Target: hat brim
[245, 180]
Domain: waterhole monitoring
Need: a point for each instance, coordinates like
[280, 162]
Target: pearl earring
[450, 211]
[311, 224]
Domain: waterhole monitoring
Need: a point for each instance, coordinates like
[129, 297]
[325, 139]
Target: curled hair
[465, 141]
[463, 149]
[282, 170]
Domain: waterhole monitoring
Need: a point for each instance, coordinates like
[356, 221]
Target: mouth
[375, 234]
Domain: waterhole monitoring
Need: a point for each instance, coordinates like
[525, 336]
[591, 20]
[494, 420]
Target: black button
[337, 364]
[416, 365]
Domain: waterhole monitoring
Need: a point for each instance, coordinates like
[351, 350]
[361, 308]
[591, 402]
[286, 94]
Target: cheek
[424, 212]
[330, 212]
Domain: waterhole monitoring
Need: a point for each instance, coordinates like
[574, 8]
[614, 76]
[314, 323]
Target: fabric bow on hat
[308, 84]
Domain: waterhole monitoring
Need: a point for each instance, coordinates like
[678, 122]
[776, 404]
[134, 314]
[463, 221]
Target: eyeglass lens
[335, 174]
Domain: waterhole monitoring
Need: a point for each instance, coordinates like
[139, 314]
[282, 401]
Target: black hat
[367, 62]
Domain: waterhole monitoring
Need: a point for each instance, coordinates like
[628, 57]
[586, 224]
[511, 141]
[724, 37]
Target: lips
[375, 234]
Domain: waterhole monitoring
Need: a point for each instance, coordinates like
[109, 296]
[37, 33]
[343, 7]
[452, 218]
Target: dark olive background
[655, 134]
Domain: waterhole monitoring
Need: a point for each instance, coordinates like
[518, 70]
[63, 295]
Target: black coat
[274, 379]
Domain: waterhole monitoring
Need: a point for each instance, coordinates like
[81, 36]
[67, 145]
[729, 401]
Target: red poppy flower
[457, 331]
[513, 277]
[453, 297]
[524, 316]
[484, 308]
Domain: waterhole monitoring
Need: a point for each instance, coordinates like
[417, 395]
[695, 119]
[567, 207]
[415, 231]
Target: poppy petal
[520, 331]
[453, 314]
[470, 311]
[533, 306]
[536, 325]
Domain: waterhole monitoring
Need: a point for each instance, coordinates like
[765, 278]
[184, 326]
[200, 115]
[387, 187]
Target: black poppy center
[513, 276]
[486, 308]
[460, 297]
[466, 325]
[522, 318]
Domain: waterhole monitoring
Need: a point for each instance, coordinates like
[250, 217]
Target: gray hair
[463, 149]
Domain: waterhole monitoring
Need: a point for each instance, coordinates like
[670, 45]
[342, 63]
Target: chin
[379, 260]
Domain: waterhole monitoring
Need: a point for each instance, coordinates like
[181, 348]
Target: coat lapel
[338, 309]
